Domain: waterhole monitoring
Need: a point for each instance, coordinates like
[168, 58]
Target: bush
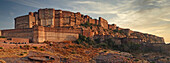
[73, 52]
[79, 46]
[2, 37]
[35, 47]
[89, 41]
[26, 46]
[20, 46]
[25, 52]
[104, 51]
[130, 47]
[152, 62]
[42, 49]
[1, 47]
[65, 47]
[97, 40]
[21, 54]
[136, 60]
[70, 46]
[103, 45]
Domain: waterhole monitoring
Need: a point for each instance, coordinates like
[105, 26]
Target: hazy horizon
[147, 16]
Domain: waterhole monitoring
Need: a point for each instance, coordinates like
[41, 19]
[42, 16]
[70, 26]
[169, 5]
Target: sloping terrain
[64, 52]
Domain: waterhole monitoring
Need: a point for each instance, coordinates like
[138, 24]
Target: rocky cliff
[120, 35]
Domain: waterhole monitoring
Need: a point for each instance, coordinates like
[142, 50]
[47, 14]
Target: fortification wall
[42, 34]
[58, 18]
[18, 33]
[22, 22]
[38, 34]
[61, 34]
[31, 21]
[60, 37]
[46, 17]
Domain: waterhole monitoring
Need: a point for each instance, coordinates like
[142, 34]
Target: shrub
[105, 51]
[87, 24]
[79, 46]
[21, 54]
[103, 45]
[42, 49]
[1, 47]
[136, 60]
[91, 27]
[25, 52]
[20, 46]
[89, 41]
[35, 47]
[152, 62]
[65, 47]
[97, 40]
[70, 46]
[2, 37]
[26, 46]
[73, 52]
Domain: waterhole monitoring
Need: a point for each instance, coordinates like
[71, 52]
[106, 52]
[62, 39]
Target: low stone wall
[18, 33]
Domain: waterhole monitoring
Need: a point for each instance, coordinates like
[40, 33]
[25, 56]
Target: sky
[147, 16]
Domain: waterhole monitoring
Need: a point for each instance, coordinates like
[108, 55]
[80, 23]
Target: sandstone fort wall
[18, 33]
[56, 18]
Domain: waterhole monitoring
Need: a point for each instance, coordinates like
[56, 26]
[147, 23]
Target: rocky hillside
[76, 53]
[120, 35]
[65, 52]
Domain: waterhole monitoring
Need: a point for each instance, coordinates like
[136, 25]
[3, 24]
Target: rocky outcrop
[124, 35]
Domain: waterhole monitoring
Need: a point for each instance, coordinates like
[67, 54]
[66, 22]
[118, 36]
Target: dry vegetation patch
[12, 53]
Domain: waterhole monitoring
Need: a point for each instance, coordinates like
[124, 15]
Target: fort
[58, 26]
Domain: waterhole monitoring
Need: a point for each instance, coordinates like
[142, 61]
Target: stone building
[56, 18]
[52, 25]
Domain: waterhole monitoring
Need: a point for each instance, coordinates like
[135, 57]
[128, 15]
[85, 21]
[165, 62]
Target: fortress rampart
[41, 34]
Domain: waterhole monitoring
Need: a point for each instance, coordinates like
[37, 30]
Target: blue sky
[147, 16]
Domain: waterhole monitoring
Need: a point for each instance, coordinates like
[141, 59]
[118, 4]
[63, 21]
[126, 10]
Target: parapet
[31, 13]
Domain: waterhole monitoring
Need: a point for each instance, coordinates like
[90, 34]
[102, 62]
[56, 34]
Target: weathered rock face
[125, 35]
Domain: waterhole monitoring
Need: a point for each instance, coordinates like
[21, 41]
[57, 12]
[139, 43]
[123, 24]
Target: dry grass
[12, 53]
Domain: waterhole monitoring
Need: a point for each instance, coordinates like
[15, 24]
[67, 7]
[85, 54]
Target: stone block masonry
[39, 34]
[56, 18]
